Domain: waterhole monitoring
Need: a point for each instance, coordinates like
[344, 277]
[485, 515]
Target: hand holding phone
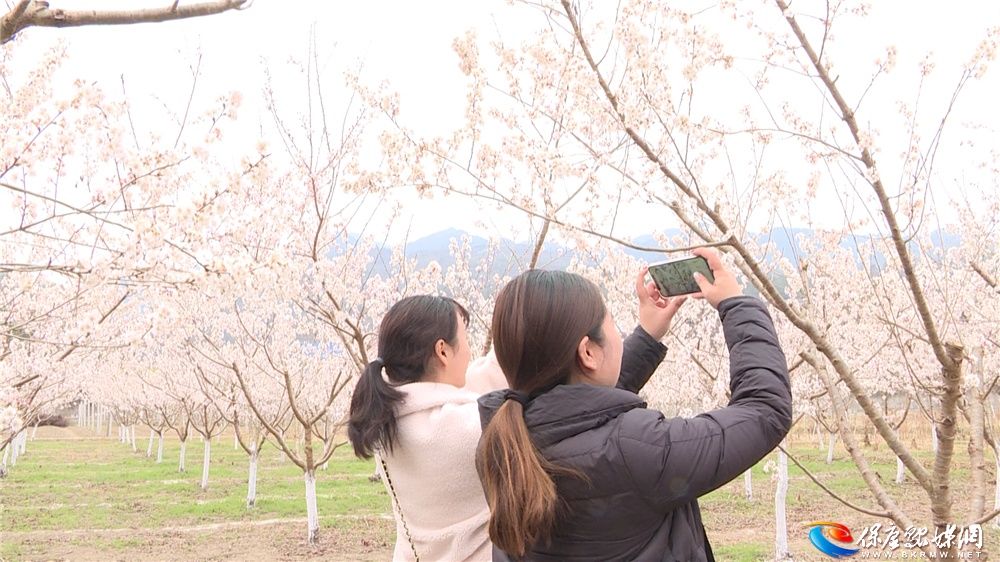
[656, 311]
[676, 277]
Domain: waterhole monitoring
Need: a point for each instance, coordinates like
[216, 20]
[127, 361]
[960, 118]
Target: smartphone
[676, 277]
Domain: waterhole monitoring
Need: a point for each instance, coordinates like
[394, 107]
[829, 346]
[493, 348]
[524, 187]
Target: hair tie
[379, 363]
[517, 396]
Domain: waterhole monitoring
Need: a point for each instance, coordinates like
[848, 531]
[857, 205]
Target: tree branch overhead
[37, 13]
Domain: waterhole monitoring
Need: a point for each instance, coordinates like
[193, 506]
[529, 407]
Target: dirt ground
[265, 540]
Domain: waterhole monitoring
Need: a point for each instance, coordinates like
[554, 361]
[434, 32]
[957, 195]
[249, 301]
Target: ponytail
[409, 331]
[517, 481]
[372, 422]
[539, 319]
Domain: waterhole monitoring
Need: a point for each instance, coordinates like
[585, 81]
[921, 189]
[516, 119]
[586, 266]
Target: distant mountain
[514, 256]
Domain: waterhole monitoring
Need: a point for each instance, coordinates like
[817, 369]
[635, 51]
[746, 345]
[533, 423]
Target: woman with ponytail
[414, 407]
[573, 464]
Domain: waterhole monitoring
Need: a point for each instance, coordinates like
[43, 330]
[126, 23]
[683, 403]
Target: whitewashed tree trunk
[781, 550]
[205, 464]
[111, 423]
[934, 439]
[14, 448]
[236, 442]
[900, 471]
[252, 480]
[829, 449]
[149, 448]
[6, 455]
[131, 431]
[24, 441]
[748, 485]
[311, 510]
[159, 449]
[180, 467]
[34, 432]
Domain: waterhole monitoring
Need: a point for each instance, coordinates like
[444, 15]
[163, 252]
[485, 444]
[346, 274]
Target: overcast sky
[409, 44]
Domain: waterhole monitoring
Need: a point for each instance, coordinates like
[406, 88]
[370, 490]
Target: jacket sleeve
[674, 461]
[641, 355]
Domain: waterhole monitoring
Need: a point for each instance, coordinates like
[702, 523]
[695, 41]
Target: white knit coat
[433, 471]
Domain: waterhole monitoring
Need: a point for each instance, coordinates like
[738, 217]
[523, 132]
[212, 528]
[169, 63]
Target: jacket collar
[420, 396]
[566, 410]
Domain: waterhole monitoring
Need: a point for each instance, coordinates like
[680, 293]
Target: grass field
[76, 496]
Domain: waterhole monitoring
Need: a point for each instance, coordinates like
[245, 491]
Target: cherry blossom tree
[609, 105]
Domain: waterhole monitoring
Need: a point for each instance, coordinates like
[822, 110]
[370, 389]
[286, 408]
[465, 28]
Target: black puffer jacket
[646, 472]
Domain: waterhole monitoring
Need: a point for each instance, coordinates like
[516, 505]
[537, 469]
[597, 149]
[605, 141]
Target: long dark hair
[406, 340]
[539, 319]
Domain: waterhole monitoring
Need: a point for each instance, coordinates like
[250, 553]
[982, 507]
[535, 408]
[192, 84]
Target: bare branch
[36, 13]
[986, 276]
[833, 494]
[897, 515]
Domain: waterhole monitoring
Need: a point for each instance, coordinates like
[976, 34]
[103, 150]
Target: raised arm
[641, 355]
[642, 351]
[674, 461]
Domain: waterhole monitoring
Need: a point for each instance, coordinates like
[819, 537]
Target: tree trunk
[942, 502]
[934, 438]
[34, 432]
[159, 448]
[781, 550]
[748, 485]
[900, 471]
[131, 436]
[205, 463]
[236, 442]
[180, 467]
[252, 480]
[829, 449]
[15, 447]
[996, 488]
[311, 510]
[149, 448]
[977, 425]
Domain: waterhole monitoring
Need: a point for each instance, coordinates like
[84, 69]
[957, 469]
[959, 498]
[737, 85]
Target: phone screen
[677, 277]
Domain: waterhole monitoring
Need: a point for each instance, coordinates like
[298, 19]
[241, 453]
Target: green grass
[741, 551]
[101, 484]
[65, 485]
[9, 551]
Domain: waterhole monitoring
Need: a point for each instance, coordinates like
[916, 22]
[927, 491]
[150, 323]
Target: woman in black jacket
[574, 466]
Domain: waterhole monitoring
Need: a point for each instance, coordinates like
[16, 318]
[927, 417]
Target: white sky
[408, 43]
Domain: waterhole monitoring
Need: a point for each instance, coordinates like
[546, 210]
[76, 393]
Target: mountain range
[513, 256]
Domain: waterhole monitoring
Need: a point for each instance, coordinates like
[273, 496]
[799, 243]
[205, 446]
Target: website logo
[823, 534]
